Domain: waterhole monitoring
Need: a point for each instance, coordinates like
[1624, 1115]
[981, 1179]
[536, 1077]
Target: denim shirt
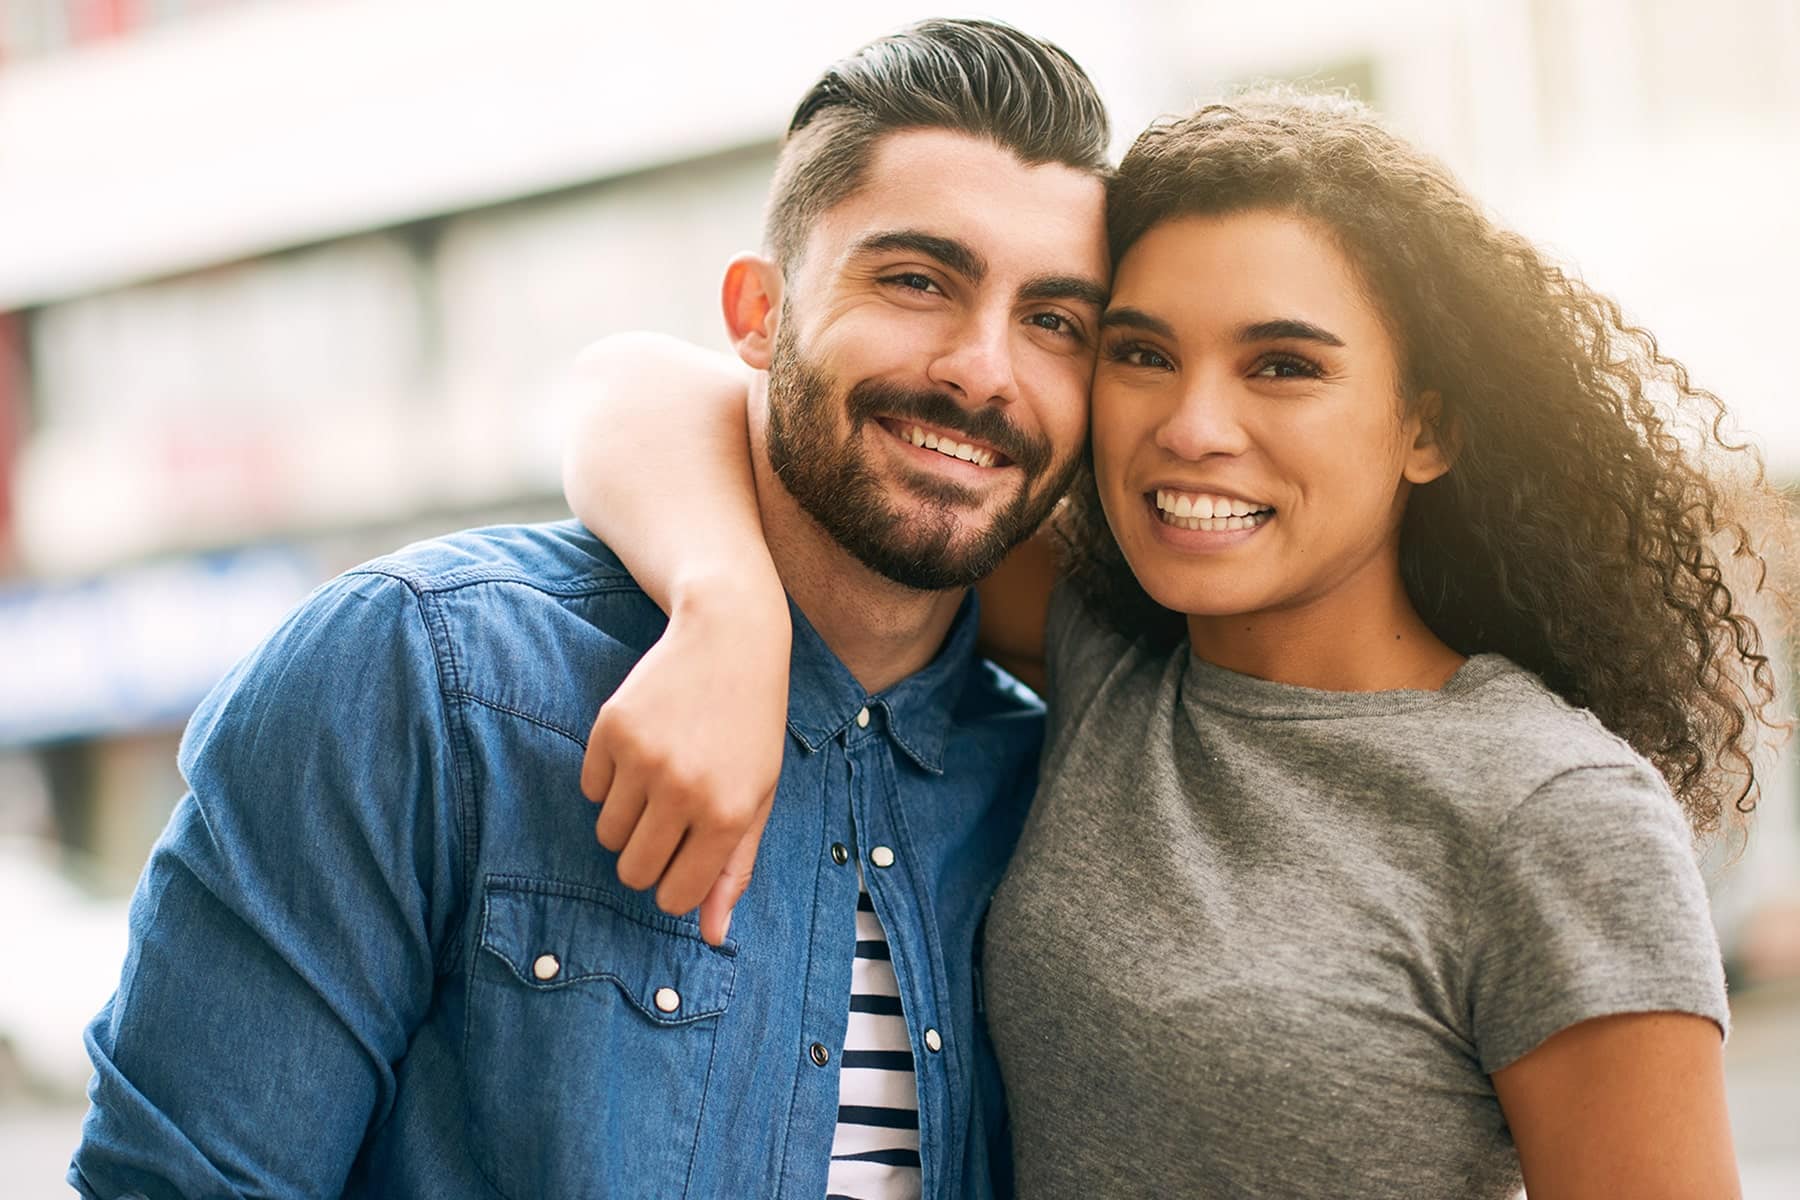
[379, 952]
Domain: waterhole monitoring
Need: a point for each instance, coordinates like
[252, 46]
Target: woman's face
[1252, 449]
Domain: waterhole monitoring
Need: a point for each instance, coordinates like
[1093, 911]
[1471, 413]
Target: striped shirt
[875, 1153]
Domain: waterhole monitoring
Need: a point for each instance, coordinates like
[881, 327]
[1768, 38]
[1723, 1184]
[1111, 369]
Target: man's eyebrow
[1287, 329]
[1136, 318]
[1065, 287]
[951, 253]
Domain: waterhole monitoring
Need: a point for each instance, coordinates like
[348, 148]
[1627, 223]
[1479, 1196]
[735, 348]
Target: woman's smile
[1204, 521]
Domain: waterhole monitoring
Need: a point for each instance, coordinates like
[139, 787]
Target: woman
[1395, 651]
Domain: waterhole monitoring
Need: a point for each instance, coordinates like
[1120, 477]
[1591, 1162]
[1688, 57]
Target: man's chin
[926, 559]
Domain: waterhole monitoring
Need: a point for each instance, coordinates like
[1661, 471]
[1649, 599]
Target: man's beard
[834, 485]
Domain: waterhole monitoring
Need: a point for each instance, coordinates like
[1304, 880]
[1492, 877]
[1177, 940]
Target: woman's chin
[1192, 597]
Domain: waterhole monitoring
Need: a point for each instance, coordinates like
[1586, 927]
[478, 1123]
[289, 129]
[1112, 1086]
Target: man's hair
[981, 78]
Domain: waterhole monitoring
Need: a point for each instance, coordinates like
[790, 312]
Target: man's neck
[881, 631]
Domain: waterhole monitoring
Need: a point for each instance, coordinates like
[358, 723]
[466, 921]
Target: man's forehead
[971, 192]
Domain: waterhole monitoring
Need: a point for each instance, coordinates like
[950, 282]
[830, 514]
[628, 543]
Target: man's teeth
[1215, 514]
[949, 446]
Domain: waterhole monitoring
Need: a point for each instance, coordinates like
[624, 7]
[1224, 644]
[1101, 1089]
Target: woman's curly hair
[1581, 529]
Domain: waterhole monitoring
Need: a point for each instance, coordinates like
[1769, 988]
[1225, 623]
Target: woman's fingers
[729, 885]
[694, 868]
[619, 813]
[646, 855]
[597, 764]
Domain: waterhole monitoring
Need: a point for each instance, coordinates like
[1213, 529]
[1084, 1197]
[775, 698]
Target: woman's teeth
[1215, 514]
[949, 446]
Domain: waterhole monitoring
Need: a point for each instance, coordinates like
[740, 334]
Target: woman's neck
[1364, 635]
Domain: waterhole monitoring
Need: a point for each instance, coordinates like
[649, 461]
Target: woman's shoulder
[1524, 757]
[1100, 679]
[1082, 648]
[1567, 777]
[1507, 713]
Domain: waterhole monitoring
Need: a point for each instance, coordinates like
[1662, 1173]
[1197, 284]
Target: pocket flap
[555, 935]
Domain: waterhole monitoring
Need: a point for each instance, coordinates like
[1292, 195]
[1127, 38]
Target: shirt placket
[891, 875]
[825, 1004]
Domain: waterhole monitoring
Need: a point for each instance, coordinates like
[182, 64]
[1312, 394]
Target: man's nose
[978, 364]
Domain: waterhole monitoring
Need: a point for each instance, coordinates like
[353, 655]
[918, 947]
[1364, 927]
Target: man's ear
[1436, 441]
[751, 298]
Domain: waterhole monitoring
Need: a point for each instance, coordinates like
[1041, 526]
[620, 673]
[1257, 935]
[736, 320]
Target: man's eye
[1054, 323]
[911, 281]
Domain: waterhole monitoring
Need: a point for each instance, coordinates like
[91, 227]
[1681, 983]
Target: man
[377, 951]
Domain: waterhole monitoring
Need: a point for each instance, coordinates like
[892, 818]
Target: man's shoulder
[541, 621]
[994, 694]
[996, 721]
[537, 621]
[558, 558]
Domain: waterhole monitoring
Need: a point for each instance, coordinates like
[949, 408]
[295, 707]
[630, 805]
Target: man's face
[929, 375]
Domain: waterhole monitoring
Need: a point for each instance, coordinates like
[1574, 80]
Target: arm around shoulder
[659, 467]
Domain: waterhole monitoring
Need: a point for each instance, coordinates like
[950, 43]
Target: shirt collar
[824, 698]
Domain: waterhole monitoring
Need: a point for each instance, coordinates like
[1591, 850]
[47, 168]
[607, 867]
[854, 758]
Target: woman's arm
[659, 453]
[1630, 1105]
[658, 467]
[1015, 610]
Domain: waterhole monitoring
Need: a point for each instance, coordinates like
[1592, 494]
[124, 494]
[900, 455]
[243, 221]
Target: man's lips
[947, 443]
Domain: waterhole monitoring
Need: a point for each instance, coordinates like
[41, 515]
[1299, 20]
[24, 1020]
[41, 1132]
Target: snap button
[668, 999]
[862, 719]
[840, 854]
[933, 1041]
[820, 1055]
[881, 856]
[546, 966]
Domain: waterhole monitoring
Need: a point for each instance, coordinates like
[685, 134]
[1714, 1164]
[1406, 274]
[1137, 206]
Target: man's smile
[947, 447]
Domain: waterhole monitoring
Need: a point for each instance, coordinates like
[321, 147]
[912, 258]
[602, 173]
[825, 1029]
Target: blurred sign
[12, 419]
[137, 649]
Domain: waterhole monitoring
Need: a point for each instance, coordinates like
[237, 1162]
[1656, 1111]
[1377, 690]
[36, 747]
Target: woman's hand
[685, 756]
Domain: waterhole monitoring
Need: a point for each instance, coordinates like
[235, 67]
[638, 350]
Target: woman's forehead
[1255, 266]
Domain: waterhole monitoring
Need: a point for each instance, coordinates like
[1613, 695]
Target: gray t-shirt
[1261, 940]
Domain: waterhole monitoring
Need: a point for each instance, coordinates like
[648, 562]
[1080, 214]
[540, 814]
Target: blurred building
[284, 284]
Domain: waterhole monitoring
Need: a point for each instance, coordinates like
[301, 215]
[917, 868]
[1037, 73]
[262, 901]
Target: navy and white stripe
[875, 1153]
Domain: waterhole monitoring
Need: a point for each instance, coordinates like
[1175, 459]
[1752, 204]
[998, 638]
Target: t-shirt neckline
[1217, 687]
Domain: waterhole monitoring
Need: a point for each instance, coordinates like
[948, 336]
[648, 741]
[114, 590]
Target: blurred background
[287, 283]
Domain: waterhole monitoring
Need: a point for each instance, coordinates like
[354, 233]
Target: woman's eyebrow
[1135, 318]
[1288, 329]
[1065, 287]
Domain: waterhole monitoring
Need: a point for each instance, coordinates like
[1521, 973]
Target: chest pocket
[589, 1036]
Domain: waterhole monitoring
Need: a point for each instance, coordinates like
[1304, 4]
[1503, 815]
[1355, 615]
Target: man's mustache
[989, 425]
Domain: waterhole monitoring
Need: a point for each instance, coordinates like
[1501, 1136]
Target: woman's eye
[1286, 366]
[1135, 354]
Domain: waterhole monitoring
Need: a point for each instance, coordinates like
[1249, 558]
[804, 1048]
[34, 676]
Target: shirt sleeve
[285, 935]
[1591, 904]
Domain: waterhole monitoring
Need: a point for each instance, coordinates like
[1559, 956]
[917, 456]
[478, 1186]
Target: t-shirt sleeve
[1591, 904]
[1079, 653]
